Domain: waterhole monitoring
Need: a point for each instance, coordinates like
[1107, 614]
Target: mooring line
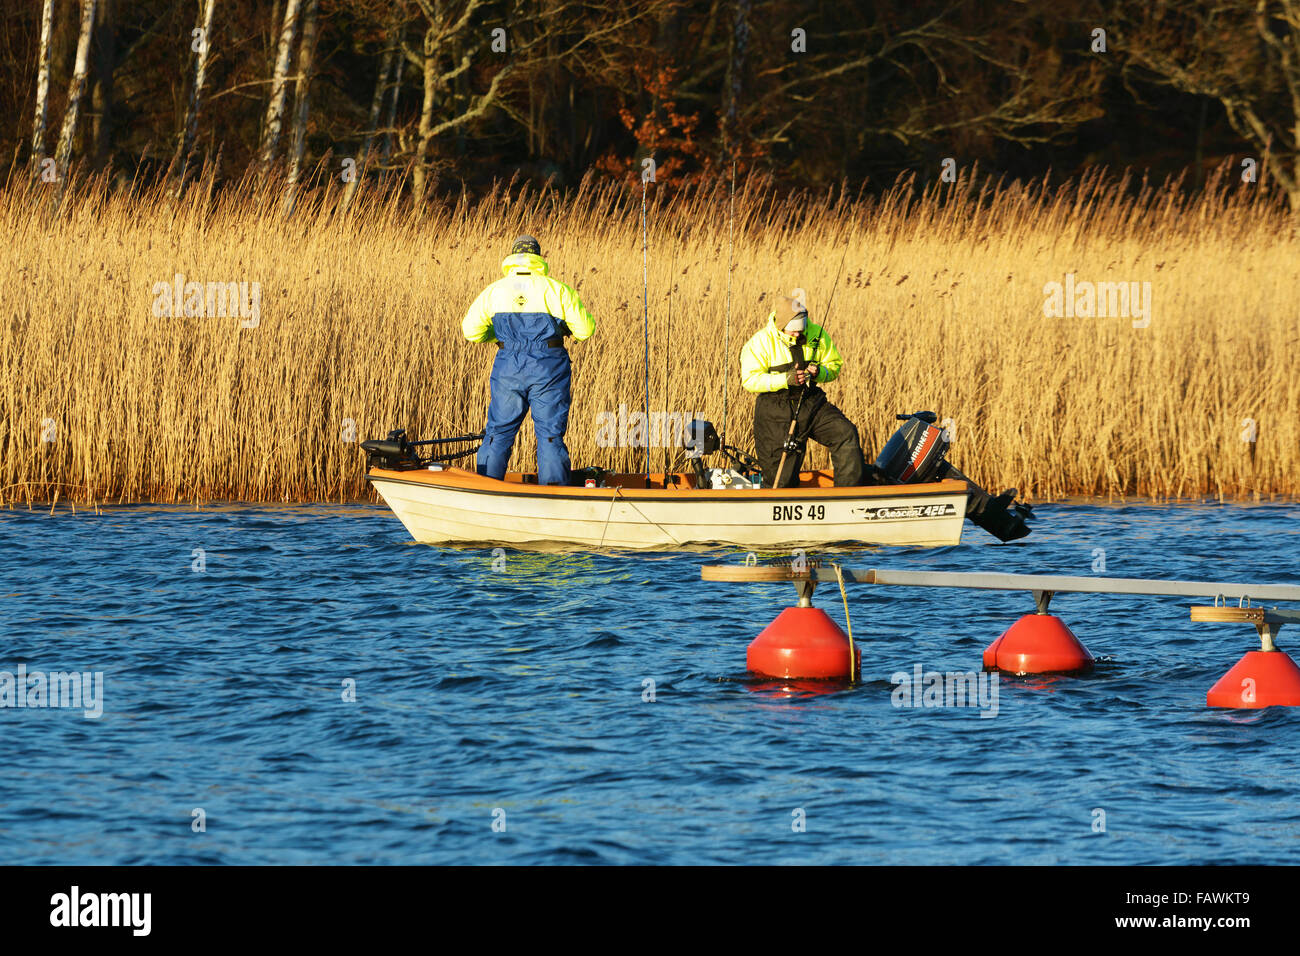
[643, 515]
[853, 662]
[618, 493]
[608, 515]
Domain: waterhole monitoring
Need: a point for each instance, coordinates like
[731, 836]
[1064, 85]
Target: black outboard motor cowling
[393, 452]
[700, 439]
[915, 453]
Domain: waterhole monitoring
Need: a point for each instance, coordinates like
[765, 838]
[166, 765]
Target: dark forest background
[437, 96]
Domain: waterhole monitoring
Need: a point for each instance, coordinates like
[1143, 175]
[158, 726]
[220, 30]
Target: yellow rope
[853, 657]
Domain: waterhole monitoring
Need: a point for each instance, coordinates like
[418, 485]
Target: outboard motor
[393, 452]
[701, 439]
[915, 453]
[396, 453]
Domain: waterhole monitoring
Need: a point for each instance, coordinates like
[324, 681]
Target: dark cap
[526, 244]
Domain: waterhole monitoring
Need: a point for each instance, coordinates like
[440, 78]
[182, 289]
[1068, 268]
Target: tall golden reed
[940, 307]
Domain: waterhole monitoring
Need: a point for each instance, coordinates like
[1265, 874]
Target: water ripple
[322, 690]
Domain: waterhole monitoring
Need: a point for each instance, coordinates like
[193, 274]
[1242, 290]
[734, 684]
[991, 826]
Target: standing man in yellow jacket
[528, 314]
[779, 364]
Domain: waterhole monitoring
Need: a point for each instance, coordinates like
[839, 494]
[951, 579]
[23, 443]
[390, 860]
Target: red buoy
[802, 642]
[1037, 644]
[1260, 679]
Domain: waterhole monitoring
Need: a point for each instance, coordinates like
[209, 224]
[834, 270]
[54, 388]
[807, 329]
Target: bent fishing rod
[790, 443]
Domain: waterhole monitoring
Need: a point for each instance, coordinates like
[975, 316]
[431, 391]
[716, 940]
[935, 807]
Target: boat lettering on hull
[797, 513]
[907, 511]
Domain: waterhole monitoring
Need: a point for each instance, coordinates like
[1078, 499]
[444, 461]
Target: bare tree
[390, 124]
[736, 52]
[190, 128]
[382, 84]
[42, 87]
[63, 153]
[562, 32]
[306, 54]
[929, 75]
[103, 65]
[274, 121]
[1243, 53]
[445, 24]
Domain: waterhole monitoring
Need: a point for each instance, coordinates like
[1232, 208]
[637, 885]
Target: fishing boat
[919, 500]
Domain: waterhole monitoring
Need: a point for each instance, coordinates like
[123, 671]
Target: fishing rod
[668, 341]
[790, 444]
[726, 341]
[645, 315]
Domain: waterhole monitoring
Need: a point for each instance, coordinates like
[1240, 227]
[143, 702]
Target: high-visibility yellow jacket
[766, 357]
[526, 302]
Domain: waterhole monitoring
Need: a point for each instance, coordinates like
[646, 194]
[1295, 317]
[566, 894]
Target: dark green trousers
[819, 421]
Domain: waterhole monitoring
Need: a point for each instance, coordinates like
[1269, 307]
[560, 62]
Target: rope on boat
[618, 493]
[608, 515]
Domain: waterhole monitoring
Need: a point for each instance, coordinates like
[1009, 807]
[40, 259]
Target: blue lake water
[515, 693]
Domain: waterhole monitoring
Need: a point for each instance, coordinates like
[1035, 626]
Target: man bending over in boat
[780, 364]
[528, 314]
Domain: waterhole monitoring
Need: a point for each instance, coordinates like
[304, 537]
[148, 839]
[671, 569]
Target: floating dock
[808, 644]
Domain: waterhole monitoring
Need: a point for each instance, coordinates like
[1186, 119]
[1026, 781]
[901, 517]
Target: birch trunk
[42, 88]
[63, 153]
[301, 94]
[277, 9]
[426, 120]
[189, 132]
[274, 121]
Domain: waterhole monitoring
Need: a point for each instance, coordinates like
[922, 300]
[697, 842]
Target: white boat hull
[459, 507]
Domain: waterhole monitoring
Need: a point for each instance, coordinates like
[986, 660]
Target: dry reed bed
[940, 307]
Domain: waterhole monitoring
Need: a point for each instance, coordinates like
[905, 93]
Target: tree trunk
[277, 10]
[63, 153]
[426, 119]
[390, 124]
[376, 107]
[735, 73]
[42, 88]
[101, 102]
[190, 130]
[301, 99]
[274, 121]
